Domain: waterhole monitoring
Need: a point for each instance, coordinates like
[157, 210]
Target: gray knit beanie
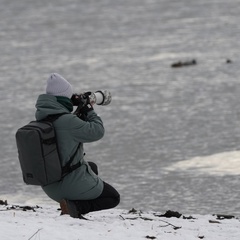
[58, 86]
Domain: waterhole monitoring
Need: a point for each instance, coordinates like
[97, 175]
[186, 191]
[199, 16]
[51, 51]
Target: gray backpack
[38, 153]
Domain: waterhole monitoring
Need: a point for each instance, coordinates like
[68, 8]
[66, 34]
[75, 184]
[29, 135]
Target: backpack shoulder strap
[68, 168]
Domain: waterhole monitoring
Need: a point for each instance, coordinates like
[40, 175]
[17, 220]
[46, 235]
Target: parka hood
[47, 105]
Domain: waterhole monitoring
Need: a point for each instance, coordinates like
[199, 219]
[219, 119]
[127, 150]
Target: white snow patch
[46, 223]
[227, 163]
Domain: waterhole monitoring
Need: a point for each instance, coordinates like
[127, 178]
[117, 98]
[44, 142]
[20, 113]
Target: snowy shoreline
[45, 222]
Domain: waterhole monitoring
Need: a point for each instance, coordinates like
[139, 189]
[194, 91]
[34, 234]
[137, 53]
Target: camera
[99, 97]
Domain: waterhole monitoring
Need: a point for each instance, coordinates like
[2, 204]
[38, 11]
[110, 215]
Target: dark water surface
[159, 116]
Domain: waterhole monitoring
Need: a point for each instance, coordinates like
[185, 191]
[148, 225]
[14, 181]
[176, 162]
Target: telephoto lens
[101, 97]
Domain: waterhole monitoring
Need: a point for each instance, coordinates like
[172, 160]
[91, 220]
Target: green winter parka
[82, 183]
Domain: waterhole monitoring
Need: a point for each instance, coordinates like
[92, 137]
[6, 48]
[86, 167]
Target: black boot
[70, 207]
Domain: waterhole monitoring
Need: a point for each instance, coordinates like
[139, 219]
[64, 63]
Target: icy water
[172, 134]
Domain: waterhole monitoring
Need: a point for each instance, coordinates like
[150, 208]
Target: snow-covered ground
[45, 222]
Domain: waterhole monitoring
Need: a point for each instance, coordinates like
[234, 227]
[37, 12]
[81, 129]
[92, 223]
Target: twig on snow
[174, 227]
[35, 233]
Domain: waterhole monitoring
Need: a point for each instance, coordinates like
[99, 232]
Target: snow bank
[45, 222]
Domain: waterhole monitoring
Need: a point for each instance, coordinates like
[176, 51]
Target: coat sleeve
[87, 131]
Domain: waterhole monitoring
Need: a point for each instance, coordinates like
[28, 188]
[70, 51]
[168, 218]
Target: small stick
[35, 233]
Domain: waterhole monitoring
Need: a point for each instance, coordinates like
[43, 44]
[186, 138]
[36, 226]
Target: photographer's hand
[83, 103]
[77, 100]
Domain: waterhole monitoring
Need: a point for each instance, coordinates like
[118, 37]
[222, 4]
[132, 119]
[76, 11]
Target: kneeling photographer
[81, 191]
